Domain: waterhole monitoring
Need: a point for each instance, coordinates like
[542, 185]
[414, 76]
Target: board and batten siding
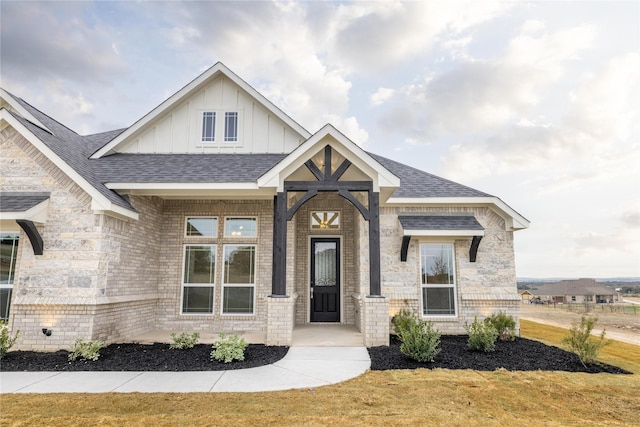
[179, 130]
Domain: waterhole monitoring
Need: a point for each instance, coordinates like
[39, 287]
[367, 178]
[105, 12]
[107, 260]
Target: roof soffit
[216, 71]
[328, 135]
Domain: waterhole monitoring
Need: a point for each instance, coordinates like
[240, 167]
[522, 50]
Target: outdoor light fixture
[46, 331]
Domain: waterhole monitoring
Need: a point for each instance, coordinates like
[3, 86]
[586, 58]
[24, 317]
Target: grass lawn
[411, 397]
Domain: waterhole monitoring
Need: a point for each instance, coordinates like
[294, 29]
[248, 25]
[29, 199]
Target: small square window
[202, 227]
[208, 126]
[240, 227]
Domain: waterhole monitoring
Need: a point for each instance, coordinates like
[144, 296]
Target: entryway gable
[361, 166]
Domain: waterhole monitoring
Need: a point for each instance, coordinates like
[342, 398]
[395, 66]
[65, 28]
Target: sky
[537, 103]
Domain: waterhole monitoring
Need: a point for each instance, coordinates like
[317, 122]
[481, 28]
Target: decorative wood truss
[326, 181]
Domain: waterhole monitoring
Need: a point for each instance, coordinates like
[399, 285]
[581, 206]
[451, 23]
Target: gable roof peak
[211, 73]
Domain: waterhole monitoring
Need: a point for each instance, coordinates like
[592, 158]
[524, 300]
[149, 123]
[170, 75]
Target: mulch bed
[519, 355]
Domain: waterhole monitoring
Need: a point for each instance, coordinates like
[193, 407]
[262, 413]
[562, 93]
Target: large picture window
[198, 279]
[437, 268]
[8, 256]
[238, 291]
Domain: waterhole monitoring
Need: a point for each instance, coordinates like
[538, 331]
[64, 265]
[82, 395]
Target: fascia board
[181, 186]
[97, 198]
[112, 209]
[515, 221]
[218, 68]
[360, 159]
[37, 213]
[444, 233]
[21, 110]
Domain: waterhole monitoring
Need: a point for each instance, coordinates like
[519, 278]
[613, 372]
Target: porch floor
[306, 335]
[326, 335]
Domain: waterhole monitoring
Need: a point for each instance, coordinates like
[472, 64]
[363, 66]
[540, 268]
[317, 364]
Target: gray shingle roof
[72, 148]
[187, 168]
[417, 183]
[19, 202]
[75, 150]
[439, 222]
[573, 287]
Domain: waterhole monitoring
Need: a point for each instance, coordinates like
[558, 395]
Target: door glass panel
[325, 264]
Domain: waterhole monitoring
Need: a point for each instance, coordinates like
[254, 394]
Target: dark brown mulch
[519, 355]
[141, 357]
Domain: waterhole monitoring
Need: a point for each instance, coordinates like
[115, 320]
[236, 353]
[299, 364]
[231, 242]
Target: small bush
[184, 340]
[504, 324]
[86, 350]
[6, 340]
[402, 320]
[420, 339]
[580, 342]
[482, 336]
[228, 348]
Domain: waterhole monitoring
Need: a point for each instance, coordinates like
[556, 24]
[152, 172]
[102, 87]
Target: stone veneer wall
[171, 255]
[77, 287]
[483, 288]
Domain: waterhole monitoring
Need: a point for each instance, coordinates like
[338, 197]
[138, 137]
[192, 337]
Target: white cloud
[381, 96]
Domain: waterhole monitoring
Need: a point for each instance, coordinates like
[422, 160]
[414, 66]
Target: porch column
[279, 272]
[374, 244]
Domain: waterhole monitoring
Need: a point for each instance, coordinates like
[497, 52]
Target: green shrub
[228, 348]
[482, 336]
[86, 350]
[580, 342]
[184, 340]
[6, 340]
[504, 324]
[420, 339]
[403, 319]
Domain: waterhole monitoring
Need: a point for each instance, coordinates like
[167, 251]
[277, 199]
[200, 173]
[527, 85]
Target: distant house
[526, 295]
[217, 212]
[575, 291]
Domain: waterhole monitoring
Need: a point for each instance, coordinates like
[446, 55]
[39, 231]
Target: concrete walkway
[302, 367]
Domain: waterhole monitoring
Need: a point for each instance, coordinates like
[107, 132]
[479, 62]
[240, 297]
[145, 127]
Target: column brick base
[280, 320]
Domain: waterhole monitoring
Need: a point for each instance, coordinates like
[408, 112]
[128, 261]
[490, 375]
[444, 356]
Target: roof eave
[98, 200]
[514, 221]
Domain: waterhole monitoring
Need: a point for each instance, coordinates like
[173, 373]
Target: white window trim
[454, 285]
[186, 226]
[239, 285]
[220, 127]
[227, 236]
[198, 285]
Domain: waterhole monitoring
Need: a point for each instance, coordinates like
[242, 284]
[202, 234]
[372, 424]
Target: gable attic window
[231, 126]
[208, 126]
[229, 132]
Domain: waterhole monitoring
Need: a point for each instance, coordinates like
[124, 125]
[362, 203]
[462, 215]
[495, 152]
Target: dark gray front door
[325, 280]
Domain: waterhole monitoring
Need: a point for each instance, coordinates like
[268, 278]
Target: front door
[325, 280]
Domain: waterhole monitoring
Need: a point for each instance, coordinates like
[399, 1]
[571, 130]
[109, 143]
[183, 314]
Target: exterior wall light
[46, 331]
